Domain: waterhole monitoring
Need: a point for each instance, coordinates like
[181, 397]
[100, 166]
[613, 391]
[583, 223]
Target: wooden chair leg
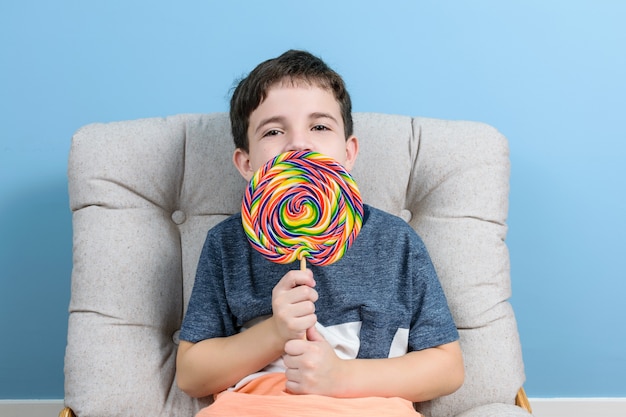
[521, 400]
[67, 412]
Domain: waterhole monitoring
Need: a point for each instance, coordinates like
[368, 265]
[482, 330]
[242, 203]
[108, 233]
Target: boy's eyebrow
[314, 116]
[272, 119]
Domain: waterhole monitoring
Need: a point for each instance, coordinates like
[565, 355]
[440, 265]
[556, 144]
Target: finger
[293, 349]
[313, 335]
[294, 318]
[301, 309]
[293, 375]
[304, 292]
[301, 294]
[299, 325]
[293, 387]
[296, 278]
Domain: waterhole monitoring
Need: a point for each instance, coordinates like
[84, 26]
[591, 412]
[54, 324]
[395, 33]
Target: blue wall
[549, 75]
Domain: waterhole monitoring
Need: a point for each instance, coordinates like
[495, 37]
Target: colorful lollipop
[302, 205]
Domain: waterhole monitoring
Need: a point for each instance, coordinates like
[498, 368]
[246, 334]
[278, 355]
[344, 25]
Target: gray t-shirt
[382, 299]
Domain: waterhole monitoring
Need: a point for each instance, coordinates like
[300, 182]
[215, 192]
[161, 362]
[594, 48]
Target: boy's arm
[213, 365]
[417, 376]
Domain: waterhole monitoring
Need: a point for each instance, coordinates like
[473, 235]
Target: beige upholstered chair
[144, 193]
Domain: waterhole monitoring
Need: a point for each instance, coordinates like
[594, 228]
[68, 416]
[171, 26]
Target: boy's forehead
[281, 91]
[295, 83]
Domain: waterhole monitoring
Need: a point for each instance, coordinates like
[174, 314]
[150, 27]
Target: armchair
[144, 193]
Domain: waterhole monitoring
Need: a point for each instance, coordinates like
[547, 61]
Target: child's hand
[312, 365]
[293, 305]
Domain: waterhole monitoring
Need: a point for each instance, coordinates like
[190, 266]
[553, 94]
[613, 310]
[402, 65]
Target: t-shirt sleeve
[208, 315]
[433, 324]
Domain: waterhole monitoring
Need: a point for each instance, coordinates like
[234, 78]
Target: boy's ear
[241, 159]
[352, 150]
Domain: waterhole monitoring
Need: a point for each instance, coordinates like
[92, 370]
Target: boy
[371, 333]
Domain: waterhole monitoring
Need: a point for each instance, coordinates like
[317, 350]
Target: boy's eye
[272, 132]
[320, 127]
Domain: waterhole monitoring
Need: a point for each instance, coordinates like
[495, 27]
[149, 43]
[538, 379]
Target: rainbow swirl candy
[302, 204]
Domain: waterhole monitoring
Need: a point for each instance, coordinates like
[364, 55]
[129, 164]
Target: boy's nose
[299, 142]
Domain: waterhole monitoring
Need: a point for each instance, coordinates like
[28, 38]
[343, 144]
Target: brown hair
[293, 66]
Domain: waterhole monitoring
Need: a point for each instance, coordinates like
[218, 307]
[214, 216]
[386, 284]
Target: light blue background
[550, 75]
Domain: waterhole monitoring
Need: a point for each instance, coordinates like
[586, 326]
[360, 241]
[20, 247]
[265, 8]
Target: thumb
[313, 335]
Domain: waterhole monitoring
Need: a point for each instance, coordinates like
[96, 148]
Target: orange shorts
[266, 397]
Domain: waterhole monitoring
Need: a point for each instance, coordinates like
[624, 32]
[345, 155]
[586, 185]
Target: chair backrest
[144, 193]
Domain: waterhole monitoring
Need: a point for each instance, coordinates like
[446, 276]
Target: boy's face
[295, 117]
